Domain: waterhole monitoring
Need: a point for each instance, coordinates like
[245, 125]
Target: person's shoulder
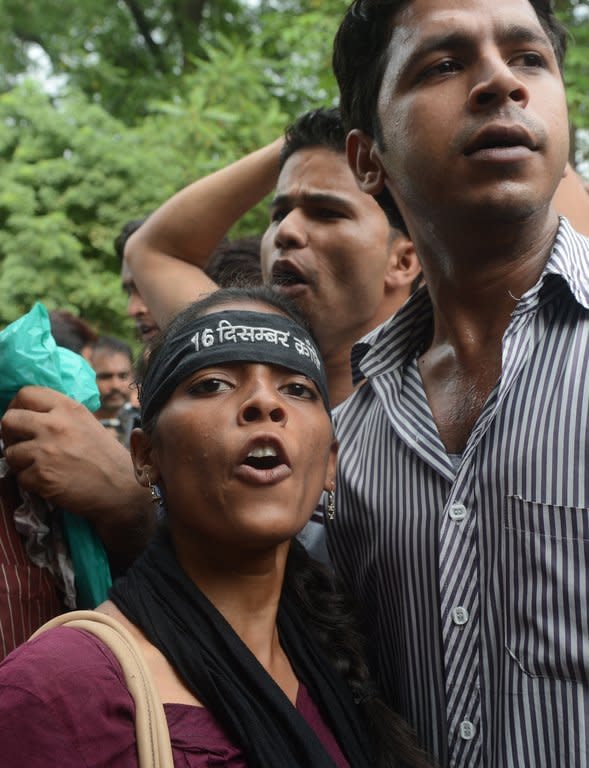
[362, 391]
[389, 345]
[571, 235]
[63, 701]
[60, 657]
[569, 259]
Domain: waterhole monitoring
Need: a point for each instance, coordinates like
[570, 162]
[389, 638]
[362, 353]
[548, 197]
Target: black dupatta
[220, 670]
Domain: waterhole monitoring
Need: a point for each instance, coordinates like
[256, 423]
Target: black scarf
[220, 670]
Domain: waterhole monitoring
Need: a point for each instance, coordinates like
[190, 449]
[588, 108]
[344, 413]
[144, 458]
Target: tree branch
[145, 31]
[187, 20]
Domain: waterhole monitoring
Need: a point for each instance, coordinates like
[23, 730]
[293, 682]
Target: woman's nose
[255, 413]
[263, 403]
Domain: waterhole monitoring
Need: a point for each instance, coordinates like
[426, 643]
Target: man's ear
[365, 163]
[331, 466]
[403, 266]
[146, 469]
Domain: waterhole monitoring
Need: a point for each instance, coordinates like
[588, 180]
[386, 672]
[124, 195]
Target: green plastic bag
[90, 561]
[29, 355]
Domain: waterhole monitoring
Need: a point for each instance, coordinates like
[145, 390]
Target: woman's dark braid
[332, 617]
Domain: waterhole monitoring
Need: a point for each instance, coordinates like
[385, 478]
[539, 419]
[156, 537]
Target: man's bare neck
[339, 373]
[475, 286]
[474, 291]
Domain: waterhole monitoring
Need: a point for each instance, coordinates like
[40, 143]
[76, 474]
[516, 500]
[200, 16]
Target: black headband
[226, 337]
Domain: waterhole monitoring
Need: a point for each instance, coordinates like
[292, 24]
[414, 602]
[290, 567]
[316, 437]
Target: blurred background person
[112, 361]
[71, 332]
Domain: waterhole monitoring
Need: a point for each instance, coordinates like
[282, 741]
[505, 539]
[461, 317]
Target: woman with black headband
[253, 652]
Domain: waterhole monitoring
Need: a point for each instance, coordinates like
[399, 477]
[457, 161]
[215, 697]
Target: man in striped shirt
[463, 493]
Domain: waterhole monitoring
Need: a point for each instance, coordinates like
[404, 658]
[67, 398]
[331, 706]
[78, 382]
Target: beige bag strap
[151, 728]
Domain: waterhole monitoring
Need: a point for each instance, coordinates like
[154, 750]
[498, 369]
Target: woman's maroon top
[64, 701]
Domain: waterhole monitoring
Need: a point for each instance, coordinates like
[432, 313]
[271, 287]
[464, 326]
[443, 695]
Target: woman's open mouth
[264, 464]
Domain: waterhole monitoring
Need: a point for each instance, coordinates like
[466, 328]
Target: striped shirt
[474, 577]
[28, 594]
[312, 537]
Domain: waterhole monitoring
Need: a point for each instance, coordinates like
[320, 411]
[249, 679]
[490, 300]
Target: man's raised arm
[169, 251]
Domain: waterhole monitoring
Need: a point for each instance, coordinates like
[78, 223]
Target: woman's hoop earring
[331, 504]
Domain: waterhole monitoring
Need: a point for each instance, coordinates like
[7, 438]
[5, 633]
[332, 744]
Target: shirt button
[457, 512]
[466, 730]
[460, 615]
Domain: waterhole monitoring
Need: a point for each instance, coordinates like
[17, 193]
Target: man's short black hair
[70, 331]
[236, 262]
[113, 345]
[360, 59]
[318, 128]
[121, 239]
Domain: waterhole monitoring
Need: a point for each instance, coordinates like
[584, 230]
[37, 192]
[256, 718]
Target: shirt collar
[403, 335]
[569, 259]
[391, 343]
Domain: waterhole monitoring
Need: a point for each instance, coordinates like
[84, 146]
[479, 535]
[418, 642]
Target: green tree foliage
[73, 174]
[69, 170]
[300, 51]
[575, 16]
[120, 54]
[125, 54]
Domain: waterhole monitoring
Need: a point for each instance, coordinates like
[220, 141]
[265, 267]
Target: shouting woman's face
[242, 451]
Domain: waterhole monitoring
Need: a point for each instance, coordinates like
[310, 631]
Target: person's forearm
[190, 224]
[59, 451]
[126, 523]
[167, 254]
